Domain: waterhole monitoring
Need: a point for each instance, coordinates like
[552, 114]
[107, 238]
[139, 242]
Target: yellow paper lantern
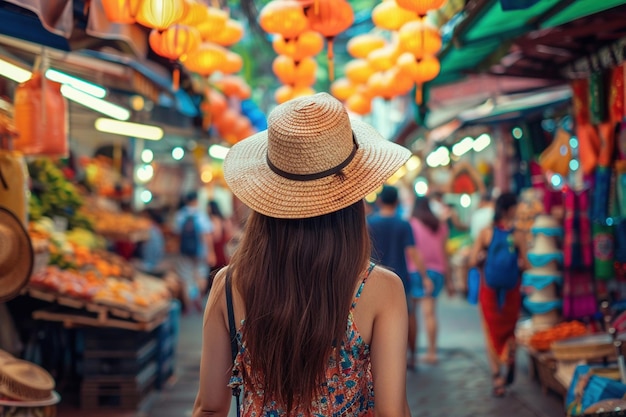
[206, 59]
[290, 72]
[419, 38]
[360, 46]
[358, 71]
[419, 70]
[389, 16]
[175, 41]
[383, 58]
[283, 17]
[420, 7]
[161, 14]
[121, 11]
[196, 13]
[283, 93]
[342, 89]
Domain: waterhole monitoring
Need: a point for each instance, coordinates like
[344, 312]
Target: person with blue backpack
[196, 253]
[500, 251]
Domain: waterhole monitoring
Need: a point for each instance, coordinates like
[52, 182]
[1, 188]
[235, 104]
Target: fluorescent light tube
[14, 72]
[101, 106]
[81, 85]
[218, 151]
[133, 130]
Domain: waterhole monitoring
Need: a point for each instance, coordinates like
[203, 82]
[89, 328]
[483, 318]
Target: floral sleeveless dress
[348, 390]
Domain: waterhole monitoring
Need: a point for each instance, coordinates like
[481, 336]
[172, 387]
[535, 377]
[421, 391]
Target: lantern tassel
[419, 96]
[331, 56]
[176, 79]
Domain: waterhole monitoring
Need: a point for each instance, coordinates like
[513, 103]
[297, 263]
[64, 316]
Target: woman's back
[430, 244]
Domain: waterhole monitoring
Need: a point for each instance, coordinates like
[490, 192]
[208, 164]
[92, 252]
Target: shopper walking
[430, 235]
[501, 252]
[393, 246]
[319, 329]
[196, 252]
[222, 233]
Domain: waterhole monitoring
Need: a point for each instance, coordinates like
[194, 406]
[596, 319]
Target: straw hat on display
[544, 245]
[547, 225]
[25, 381]
[312, 160]
[16, 255]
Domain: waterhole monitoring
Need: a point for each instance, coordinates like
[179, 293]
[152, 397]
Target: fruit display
[112, 224]
[542, 340]
[54, 196]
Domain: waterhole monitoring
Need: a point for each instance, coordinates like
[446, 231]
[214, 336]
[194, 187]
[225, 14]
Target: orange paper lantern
[233, 86]
[389, 16]
[421, 7]
[360, 46]
[420, 71]
[308, 43]
[230, 34]
[292, 73]
[215, 102]
[359, 104]
[175, 41]
[213, 23]
[342, 89]
[161, 14]
[196, 13]
[358, 71]
[283, 17]
[232, 64]
[419, 38]
[389, 84]
[330, 18]
[287, 92]
[121, 11]
[206, 59]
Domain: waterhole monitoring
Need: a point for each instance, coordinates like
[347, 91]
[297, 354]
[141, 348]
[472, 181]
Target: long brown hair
[423, 213]
[297, 278]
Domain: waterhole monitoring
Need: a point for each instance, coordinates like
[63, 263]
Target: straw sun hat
[312, 160]
[16, 255]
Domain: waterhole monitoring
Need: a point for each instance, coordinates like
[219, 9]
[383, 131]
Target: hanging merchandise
[588, 139]
[597, 98]
[389, 16]
[616, 95]
[161, 14]
[603, 251]
[601, 191]
[121, 11]
[41, 118]
[577, 245]
[14, 184]
[307, 44]
[556, 157]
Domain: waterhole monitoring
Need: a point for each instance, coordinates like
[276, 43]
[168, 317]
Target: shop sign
[605, 58]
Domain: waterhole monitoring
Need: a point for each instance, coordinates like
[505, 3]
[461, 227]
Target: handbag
[234, 345]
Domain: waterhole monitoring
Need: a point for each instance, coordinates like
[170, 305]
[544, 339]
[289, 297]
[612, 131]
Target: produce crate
[121, 363]
[543, 367]
[167, 336]
[114, 392]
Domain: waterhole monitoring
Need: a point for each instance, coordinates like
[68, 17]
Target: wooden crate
[543, 367]
[115, 392]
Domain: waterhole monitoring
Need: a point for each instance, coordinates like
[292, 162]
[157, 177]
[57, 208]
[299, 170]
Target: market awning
[485, 37]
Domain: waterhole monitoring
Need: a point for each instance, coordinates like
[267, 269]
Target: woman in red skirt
[500, 251]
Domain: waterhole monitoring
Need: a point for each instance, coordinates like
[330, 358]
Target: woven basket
[22, 380]
[583, 348]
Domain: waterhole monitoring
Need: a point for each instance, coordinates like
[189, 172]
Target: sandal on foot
[498, 390]
[510, 374]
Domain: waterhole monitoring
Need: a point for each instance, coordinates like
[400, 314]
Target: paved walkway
[459, 386]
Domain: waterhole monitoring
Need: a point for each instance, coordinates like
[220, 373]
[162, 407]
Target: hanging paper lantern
[173, 43]
[213, 23]
[121, 11]
[230, 34]
[420, 71]
[283, 17]
[421, 7]
[196, 13]
[206, 59]
[389, 84]
[358, 71]
[287, 92]
[292, 73]
[215, 102]
[360, 46]
[308, 43]
[359, 104]
[233, 86]
[330, 18]
[383, 58]
[342, 89]
[419, 38]
[232, 64]
[226, 120]
[389, 16]
[161, 14]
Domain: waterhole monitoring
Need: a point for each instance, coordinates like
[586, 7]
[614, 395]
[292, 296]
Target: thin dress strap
[360, 290]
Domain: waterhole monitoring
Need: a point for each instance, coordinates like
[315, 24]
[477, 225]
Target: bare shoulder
[384, 283]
